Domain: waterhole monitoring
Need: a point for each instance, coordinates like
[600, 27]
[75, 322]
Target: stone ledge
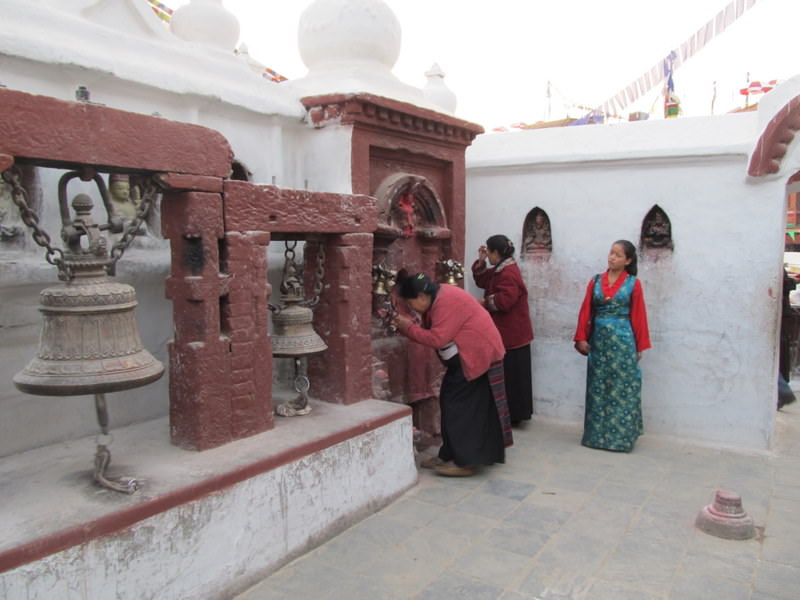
[51, 504]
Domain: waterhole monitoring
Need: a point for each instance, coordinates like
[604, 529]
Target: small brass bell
[293, 333]
[454, 271]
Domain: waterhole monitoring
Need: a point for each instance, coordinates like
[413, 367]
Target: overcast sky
[498, 56]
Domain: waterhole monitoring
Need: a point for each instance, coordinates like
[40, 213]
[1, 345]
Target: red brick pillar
[343, 373]
[245, 322]
[200, 369]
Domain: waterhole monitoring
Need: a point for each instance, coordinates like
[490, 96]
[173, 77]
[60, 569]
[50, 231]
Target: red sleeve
[639, 318]
[480, 274]
[446, 322]
[506, 292]
[583, 329]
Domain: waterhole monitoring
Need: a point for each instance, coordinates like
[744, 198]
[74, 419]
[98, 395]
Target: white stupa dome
[350, 47]
[206, 22]
[337, 32]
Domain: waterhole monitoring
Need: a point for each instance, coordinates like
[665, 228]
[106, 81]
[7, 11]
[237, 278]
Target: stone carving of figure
[405, 203]
[657, 231]
[290, 283]
[124, 199]
[538, 237]
[9, 215]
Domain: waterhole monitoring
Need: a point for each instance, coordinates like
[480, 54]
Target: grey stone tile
[558, 498]
[487, 504]
[361, 588]
[465, 524]
[555, 582]
[384, 531]
[601, 517]
[695, 586]
[579, 481]
[643, 561]
[412, 510]
[734, 560]
[517, 538]
[675, 506]
[659, 527]
[618, 492]
[540, 518]
[441, 494]
[565, 568]
[782, 550]
[458, 587]
[507, 488]
[493, 566]
[264, 591]
[407, 569]
[300, 579]
[523, 471]
[604, 590]
[509, 595]
[777, 580]
[350, 551]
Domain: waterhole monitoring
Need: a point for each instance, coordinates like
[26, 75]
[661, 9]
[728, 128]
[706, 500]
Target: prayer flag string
[665, 67]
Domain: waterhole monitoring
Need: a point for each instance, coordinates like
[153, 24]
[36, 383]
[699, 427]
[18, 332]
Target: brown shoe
[431, 462]
[453, 470]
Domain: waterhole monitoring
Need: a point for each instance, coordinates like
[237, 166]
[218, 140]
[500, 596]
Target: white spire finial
[437, 92]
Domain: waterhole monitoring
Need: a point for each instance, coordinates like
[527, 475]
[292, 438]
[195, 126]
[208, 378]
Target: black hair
[630, 252]
[412, 286]
[500, 244]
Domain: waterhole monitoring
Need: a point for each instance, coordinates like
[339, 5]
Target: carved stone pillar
[200, 381]
[244, 321]
[343, 319]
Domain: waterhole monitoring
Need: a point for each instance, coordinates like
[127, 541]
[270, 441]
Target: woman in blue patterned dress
[612, 331]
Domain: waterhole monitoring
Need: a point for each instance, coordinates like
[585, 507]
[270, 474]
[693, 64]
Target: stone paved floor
[563, 522]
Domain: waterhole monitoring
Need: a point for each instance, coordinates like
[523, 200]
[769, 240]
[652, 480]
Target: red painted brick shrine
[407, 210]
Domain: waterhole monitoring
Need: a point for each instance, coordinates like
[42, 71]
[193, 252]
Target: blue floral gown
[613, 417]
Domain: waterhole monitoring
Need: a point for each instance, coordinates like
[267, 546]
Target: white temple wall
[713, 302]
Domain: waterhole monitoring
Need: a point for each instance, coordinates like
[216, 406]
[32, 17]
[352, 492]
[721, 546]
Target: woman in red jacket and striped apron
[475, 424]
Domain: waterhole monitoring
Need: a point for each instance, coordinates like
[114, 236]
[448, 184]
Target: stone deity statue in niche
[405, 204]
[656, 231]
[537, 236]
[124, 198]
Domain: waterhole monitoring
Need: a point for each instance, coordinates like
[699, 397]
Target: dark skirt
[519, 388]
[471, 430]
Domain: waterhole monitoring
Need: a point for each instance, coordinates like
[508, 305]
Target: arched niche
[537, 237]
[408, 206]
[656, 230]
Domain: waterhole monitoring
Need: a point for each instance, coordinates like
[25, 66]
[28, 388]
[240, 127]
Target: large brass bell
[293, 333]
[89, 343]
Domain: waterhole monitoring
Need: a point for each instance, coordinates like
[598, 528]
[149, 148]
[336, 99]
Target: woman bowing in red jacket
[506, 298]
[475, 424]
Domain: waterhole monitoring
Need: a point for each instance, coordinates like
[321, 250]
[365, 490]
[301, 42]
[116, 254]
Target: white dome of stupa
[350, 47]
[206, 22]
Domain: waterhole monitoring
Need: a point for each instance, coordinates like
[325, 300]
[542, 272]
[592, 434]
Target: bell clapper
[102, 456]
[298, 405]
